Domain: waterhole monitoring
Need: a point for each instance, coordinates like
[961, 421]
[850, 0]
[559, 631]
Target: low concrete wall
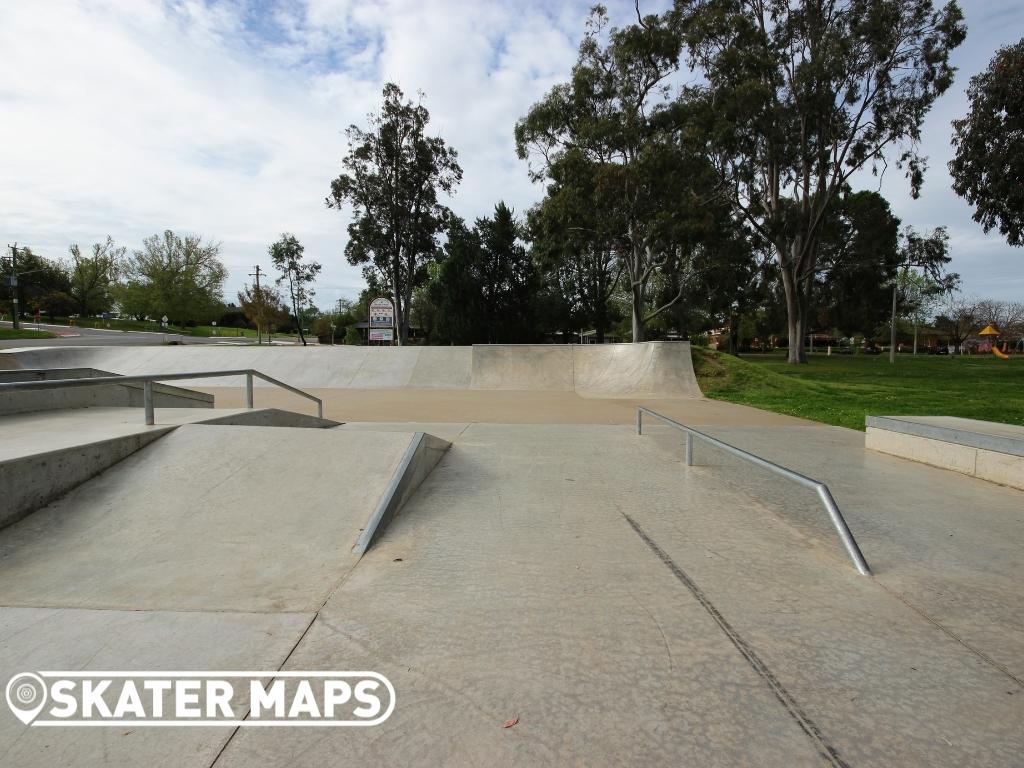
[106, 396]
[995, 466]
[30, 482]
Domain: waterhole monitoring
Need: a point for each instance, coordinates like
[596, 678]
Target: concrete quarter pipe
[649, 369]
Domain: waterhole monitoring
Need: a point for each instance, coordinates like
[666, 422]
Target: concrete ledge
[986, 450]
[420, 458]
[30, 482]
[988, 435]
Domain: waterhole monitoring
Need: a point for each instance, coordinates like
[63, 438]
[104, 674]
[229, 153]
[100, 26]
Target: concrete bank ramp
[44, 454]
[650, 369]
[216, 518]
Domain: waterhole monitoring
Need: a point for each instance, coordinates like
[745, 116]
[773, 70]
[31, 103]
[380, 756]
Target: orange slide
[999, 353]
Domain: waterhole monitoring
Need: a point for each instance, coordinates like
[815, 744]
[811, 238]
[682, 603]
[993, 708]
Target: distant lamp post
[214, 323]
[332, 334]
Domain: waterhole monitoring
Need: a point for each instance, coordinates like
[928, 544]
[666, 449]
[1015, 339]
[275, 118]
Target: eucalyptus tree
[802, 94]
[647, 188]
[393, 176]
[93, 275]
[988, 168]
[574, 247]
[288, 256]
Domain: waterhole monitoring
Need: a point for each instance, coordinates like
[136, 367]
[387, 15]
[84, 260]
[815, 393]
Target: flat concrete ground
[630, 610]
[496, 406]
[627, 609]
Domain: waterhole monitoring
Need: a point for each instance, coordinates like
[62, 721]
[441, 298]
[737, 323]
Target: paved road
[76, 336]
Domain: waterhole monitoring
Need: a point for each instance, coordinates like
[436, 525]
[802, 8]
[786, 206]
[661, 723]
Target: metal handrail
[822, 490]
[148, 379]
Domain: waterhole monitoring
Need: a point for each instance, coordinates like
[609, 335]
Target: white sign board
[382, 314]
[382, 334]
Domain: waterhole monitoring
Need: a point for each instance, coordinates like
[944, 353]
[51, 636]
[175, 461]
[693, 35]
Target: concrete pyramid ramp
[216, 518]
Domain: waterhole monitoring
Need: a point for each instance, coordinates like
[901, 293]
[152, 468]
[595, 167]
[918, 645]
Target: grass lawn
[842, 389]
[154, 327]
[24, 333]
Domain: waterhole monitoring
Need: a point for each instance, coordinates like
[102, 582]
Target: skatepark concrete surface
[570, 576]
[499, 406]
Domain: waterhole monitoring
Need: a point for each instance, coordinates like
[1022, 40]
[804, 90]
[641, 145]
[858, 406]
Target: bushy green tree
[43, 283]
[484, 289]
[988, 167]
[93, 276]
[857, 261]
[574, 249]
[179, 276]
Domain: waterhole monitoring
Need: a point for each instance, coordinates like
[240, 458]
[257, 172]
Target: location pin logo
[26, 696]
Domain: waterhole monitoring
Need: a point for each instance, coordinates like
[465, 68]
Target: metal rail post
[147, 401]
[839, 522]
[248, 390]
[689, 449]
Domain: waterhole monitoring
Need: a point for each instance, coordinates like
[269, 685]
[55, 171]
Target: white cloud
[125, 117]
[228, 120]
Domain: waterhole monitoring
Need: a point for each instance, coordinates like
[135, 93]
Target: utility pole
[12, 281]
[259, 299]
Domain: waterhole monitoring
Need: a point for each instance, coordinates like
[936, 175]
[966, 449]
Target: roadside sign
[382, 314]
[382, 334]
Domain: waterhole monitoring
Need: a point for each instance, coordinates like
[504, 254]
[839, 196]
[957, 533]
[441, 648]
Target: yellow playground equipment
[988, 330]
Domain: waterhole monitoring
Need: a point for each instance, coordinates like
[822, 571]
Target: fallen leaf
[510, 723]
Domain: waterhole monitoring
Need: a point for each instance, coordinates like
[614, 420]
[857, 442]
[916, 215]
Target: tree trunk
[796, 321]
[396, 289]
[600, 319]
[638, 308]
[298, 318]
[915, 335]
[399, 320]
[407, 310]
[638, 323]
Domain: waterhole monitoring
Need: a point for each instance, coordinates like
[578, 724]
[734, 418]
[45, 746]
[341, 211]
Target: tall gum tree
[802, 94]
[988, 167]
[644, 184]
[288, 257]
[393, 176]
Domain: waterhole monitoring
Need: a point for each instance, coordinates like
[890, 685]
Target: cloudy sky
[127, 117]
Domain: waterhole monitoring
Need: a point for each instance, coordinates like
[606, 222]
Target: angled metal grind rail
[838, 521]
